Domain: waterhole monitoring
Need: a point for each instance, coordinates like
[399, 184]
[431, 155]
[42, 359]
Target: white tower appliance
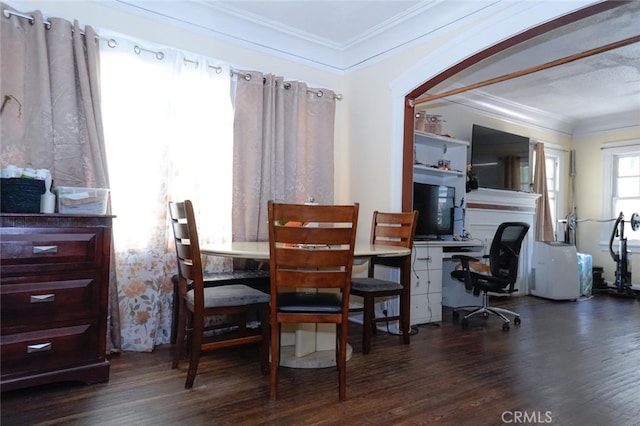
[555, 271]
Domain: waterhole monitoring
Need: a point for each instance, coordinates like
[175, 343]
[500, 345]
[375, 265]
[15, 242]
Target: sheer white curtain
[168, 124]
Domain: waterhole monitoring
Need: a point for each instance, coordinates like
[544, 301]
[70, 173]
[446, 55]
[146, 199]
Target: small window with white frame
[621, 184]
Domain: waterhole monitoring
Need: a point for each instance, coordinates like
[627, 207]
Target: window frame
[610, 151]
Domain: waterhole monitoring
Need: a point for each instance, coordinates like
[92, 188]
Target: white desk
[308, 345]
[431, 282]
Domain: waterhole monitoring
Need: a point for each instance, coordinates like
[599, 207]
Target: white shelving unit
[427, 281]
[429, 149]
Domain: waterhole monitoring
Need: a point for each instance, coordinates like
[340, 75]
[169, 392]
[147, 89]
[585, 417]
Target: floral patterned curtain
[168, 128]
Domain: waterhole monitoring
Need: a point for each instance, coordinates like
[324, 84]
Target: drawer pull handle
[42, 298]
[45, 249]
[427, 259]
[39, 347]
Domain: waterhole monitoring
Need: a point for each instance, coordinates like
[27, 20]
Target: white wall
[369, 118]
[589, 199]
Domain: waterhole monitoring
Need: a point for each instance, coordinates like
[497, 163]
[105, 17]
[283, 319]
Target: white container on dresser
[54, 290]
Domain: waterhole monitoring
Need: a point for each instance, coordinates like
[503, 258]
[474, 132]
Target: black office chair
[500, 276]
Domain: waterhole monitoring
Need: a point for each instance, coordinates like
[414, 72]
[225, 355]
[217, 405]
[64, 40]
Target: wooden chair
[311, 251]
[236, 302]
[395, 229]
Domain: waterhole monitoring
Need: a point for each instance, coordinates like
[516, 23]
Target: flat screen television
[500, 160]
[435, 205]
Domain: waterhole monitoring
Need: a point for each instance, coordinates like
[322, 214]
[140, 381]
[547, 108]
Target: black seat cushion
[373, 285]
[301, 302]
[483, 282]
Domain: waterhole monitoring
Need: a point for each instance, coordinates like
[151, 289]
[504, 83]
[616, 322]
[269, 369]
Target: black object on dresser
[54, 286]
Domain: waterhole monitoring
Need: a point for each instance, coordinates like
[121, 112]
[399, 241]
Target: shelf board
[419, 168]
[438, 138]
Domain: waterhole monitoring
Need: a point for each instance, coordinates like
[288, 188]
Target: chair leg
[342, 362]
[194, 359]
[264, 345]
[367, 323]
[405, 318]
[275, 360]
[180, 334]
[485, 309]
[506, 311]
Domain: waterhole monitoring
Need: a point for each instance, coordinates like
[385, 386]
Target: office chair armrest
[469, 279]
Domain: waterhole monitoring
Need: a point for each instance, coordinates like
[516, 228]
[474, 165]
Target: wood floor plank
[577, 362]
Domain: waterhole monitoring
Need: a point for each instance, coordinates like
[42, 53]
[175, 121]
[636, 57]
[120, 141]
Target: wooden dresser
[54, 286]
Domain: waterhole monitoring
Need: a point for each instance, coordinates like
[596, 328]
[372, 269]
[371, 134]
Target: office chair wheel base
[517, 321]
[505, 326]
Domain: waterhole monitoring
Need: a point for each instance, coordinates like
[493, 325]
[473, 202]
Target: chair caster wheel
[505, 326]
[485, 314]
[517, 321]
[465, 323]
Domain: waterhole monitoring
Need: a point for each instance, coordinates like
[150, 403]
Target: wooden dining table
[309, 345]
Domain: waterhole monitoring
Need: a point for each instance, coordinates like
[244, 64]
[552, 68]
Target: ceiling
[342, 36]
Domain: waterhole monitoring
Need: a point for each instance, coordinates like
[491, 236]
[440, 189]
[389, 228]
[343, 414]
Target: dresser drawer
[64, 298]
[20, 246]
[48, 349]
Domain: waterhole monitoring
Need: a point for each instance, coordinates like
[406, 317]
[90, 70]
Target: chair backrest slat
[187, 247]
[396, 229]
[311, 246]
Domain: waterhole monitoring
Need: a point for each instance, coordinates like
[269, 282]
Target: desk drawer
[65, 298]
[427, 281]
[20, 246]
[426, 308]
[426, 257]
[47, 349]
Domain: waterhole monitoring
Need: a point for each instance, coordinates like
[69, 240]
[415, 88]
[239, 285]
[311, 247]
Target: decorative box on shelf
[72, 200]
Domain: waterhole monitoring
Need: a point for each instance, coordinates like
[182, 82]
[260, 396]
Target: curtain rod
[158, 54]
[319, 93]
[531, 70]
[32, 20]
[7, 14]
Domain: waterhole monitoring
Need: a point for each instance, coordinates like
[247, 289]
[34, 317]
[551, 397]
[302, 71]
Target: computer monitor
[435, 206]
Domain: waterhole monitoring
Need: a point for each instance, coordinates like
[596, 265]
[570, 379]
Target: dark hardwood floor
[569, 363]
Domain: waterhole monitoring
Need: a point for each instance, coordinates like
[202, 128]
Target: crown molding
[223, 20]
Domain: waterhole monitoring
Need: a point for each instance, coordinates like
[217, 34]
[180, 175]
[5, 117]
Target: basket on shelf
[20, 195]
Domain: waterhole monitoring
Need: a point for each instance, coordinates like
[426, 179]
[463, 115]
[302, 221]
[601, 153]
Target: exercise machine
[622, 285]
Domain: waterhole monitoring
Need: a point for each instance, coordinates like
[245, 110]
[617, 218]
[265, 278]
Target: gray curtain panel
[283, 148]
[52, 118]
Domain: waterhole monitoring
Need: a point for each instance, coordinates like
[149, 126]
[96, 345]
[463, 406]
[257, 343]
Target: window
[621, 185]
